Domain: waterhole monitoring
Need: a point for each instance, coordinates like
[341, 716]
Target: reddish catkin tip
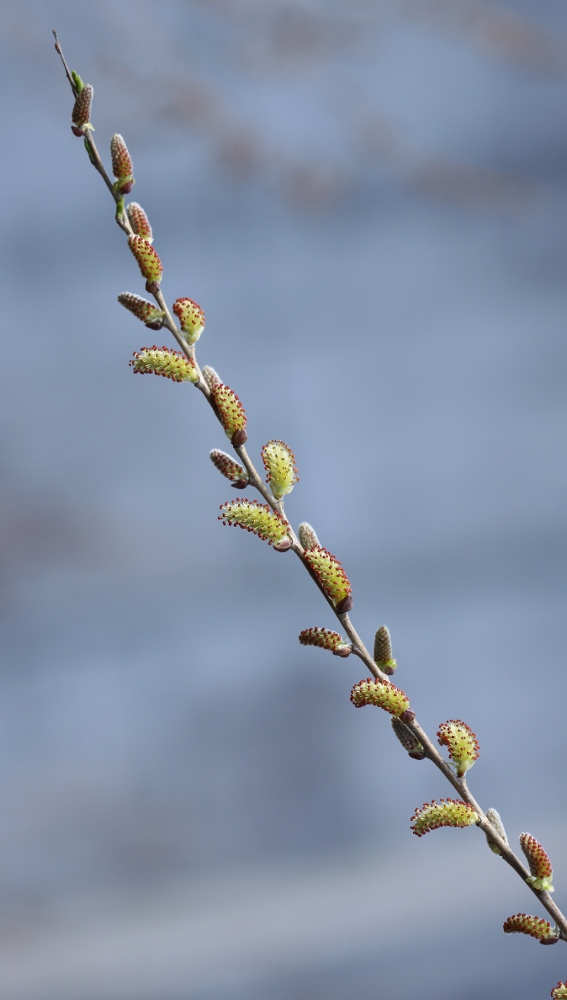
[540, 866]
[163, 361]
[383, 694]
[279, 463]
[81, 114]
[147, 258]
[447, 812]
[229, 468]
[461, 743]
[191, 318]
[331, 576]
[325, 639]
[258, 518]
[146, 311]
[139, 221]
[231, 413]
[122, 166]
[524, 923]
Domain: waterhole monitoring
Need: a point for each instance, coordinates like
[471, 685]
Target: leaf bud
[383, 651]
[493, 817]
[407, 739]
[210, 376]
[307, 537]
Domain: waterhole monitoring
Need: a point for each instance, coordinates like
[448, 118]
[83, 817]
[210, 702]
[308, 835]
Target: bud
[162, 361]
[122, 167]
[559, 992]
[331, 577]
[148, 259]
[325, 639]
[493, 817]
[383, 651]
[79, 85]
[231, 413]
[523, 923]
[461, 743]
[191, 318]
[408, 740]
[279, 463]
[447, 812]
[229, 467]
[383, 694]
[141, 308]
[540, 865]
[307, 537]
[210, 376]
[139, 221]
[256, 517]
[81, 115]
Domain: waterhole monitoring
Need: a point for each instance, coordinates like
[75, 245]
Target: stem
[358, 647]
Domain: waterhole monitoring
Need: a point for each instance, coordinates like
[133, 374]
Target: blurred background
[369, 200]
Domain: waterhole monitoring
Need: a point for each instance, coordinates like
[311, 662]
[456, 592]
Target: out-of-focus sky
[369, 200]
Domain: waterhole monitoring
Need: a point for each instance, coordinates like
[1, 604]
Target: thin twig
[358, 646]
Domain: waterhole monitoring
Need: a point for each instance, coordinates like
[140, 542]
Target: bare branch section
[268, 522]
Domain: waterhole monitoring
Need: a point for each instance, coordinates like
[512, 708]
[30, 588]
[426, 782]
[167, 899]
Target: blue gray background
[370, 203]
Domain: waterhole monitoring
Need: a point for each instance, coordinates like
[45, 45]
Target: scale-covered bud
[146, 311]
[258, 518]
[81, 114]
[383, 651]
[122, 166]
[493, 817]
[536, 927]
[331, 576]
[279, 463]
[148, 259]
[540, 865]
[408, 740]
[325, 639]
[461, 743]
[229, 468]
[139, 221]
[191, 318]
[231, 413]
[307, 537]
[211, 377]
[163, 361]
[447, 812]
[559, 992]
[383, 694]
